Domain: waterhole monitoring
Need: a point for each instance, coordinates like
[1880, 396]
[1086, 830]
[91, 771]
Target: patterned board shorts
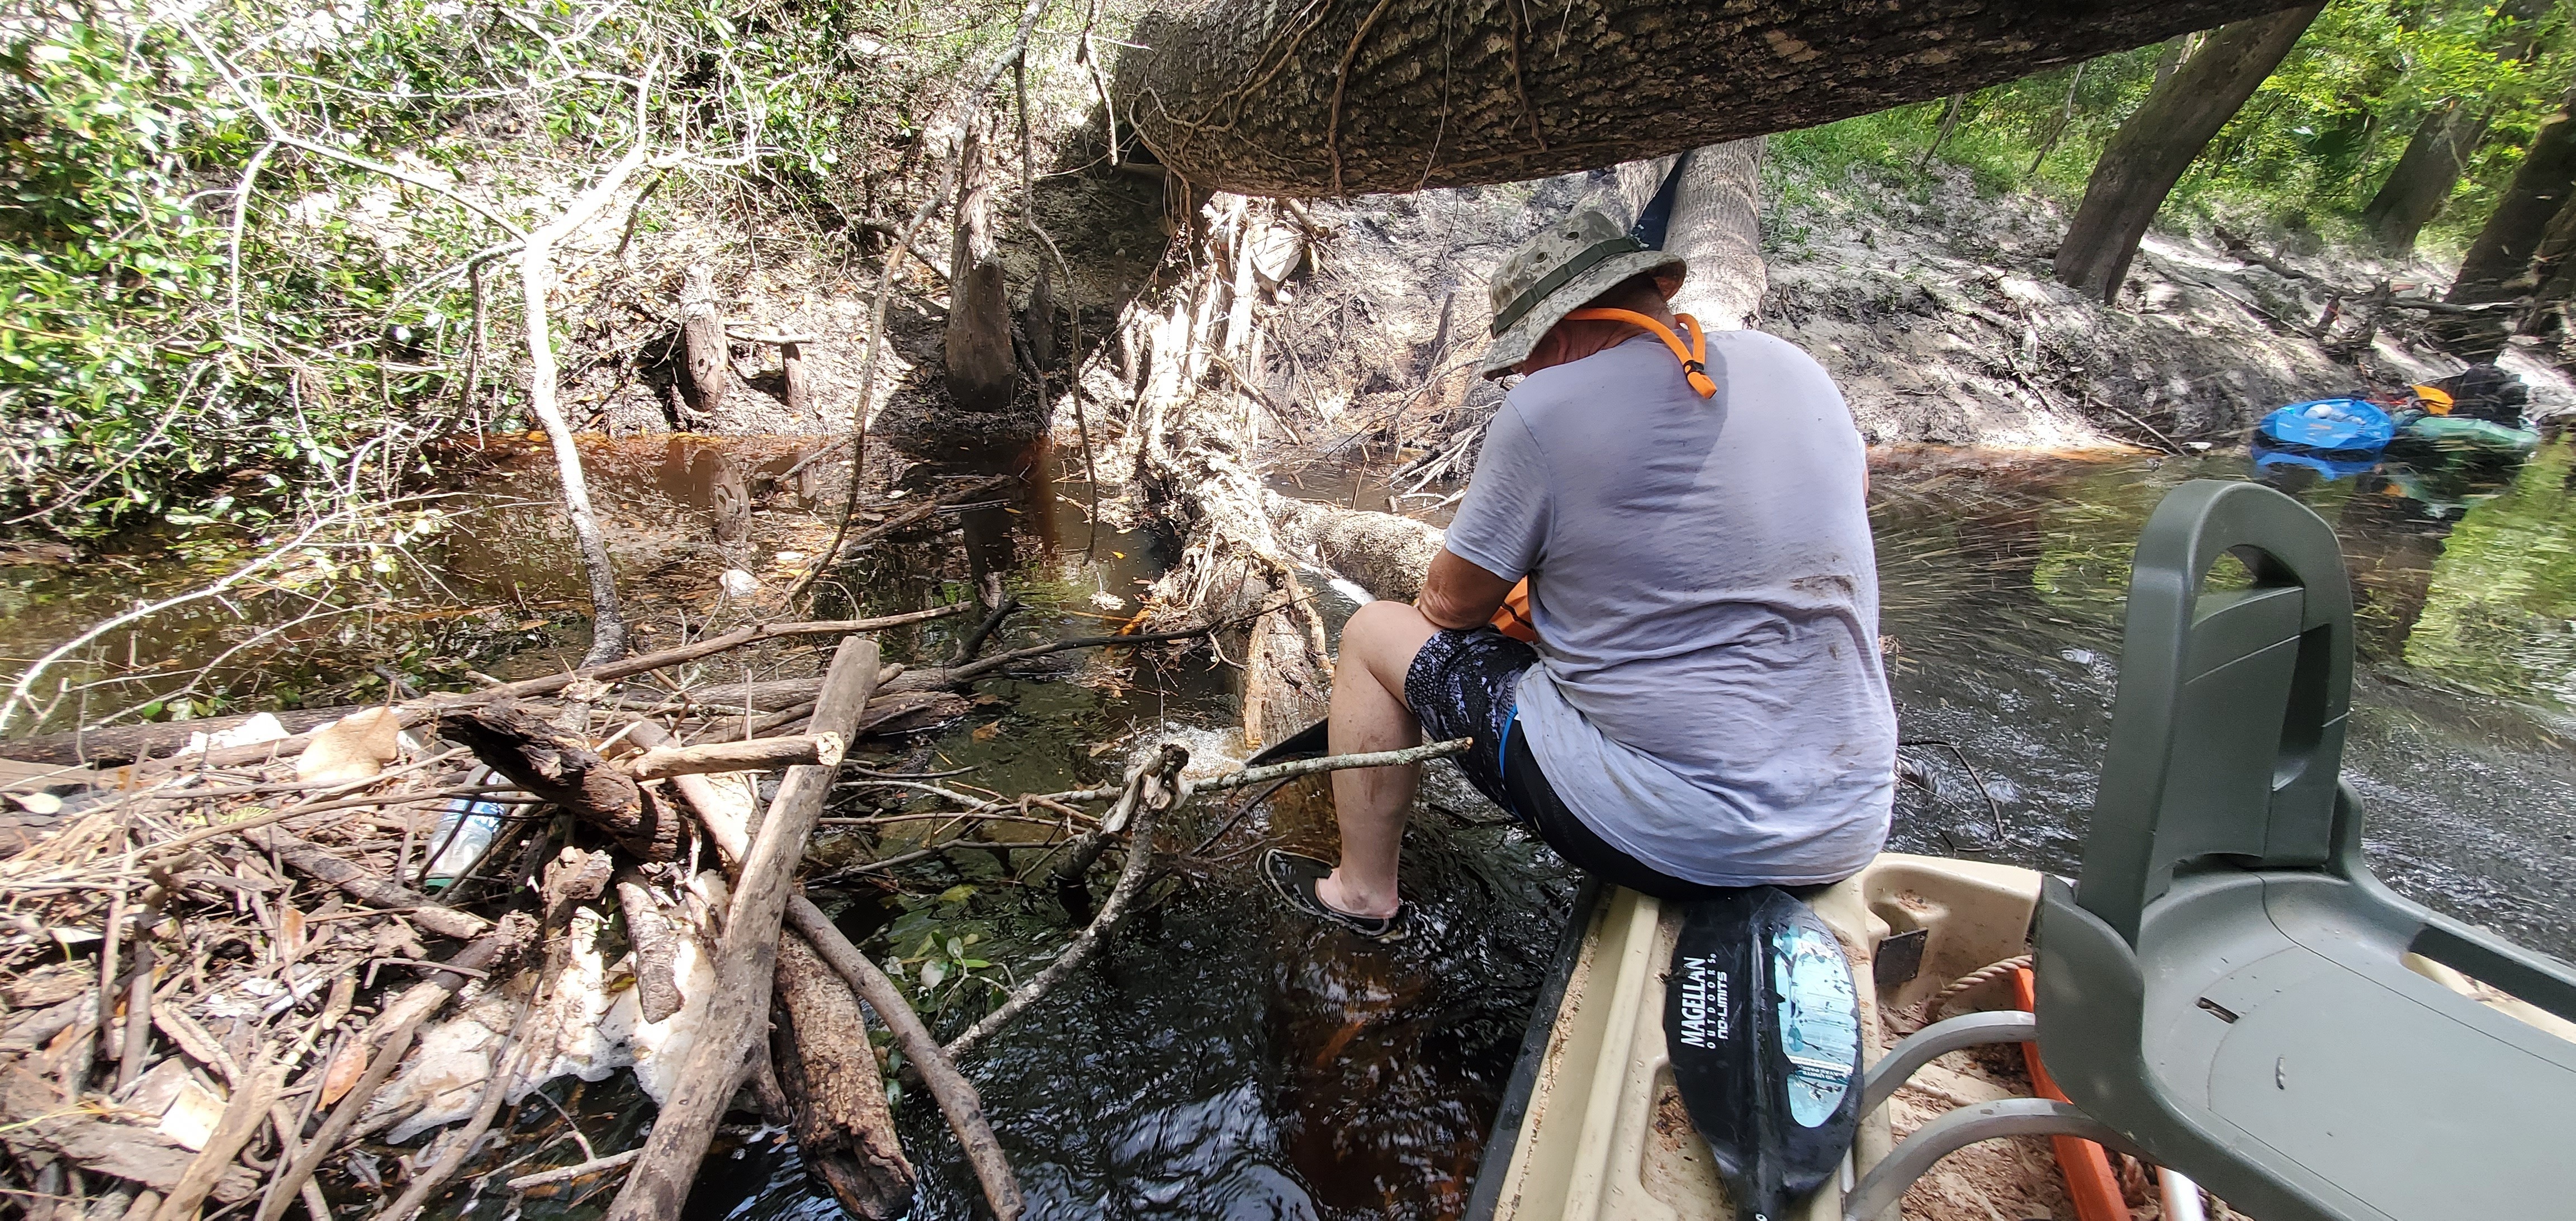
[1466, 684]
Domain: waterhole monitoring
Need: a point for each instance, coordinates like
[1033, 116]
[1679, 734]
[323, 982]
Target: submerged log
[956, 1096]
[827, 1069]
[538, 758]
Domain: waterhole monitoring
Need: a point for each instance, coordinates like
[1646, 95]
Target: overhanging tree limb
[1326, 99]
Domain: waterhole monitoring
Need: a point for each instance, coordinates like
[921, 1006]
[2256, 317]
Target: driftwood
[318, 863]
[835, 1094]
[391, 1034]
[241, 1120]
[752, 754]
[956, 1096]
[547, 763]
[659, 1184]
[818, 1042]
[656, 946]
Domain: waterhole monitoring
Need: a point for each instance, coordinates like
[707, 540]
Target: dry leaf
[192, 1115]
[355, 747]
[347, 1065]
[988, 732]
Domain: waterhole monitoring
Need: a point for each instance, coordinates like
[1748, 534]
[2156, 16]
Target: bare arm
[1458, 594]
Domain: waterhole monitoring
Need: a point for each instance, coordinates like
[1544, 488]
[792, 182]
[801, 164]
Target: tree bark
[706, 356]
[828, 1071]
[538, 758]
[2421, 182]
[2149, 153]
[2498, 262]
[1334, 99]
[659, 1185]
[1717, 226]
[982, 376]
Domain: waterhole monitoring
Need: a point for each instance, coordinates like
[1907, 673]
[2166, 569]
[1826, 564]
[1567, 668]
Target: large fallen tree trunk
[1333, 99]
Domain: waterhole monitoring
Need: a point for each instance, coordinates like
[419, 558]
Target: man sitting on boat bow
[1699, 703]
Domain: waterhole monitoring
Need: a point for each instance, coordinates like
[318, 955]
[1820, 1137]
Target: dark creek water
[1221, 1059]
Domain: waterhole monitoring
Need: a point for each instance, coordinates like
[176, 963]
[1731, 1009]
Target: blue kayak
[2343, 428]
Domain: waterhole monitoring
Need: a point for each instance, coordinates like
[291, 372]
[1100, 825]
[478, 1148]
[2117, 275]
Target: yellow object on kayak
[2436, 402]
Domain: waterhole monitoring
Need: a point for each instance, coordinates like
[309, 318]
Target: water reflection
[2005, 582]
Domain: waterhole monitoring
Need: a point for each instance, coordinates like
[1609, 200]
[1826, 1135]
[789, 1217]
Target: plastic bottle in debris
[465, 830]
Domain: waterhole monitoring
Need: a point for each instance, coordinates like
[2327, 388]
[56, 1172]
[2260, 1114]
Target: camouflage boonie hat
[1567, 264]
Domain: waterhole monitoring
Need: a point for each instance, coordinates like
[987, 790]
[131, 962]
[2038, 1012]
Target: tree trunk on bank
[707, 356]
[1263, 98]
[2429, 170]
[1716, 226]
[2149, 153]
[982, 375]
[2425, 174]
[2496, 266]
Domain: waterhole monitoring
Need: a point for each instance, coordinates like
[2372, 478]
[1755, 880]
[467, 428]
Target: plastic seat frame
[2221, 814]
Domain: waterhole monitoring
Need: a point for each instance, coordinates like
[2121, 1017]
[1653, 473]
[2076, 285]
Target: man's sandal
[1292, 877]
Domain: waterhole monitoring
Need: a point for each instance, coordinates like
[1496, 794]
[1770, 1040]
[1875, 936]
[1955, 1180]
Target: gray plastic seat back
[2228, 730]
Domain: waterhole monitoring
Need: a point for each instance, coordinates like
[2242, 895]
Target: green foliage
[2310, 148]
[140, 377]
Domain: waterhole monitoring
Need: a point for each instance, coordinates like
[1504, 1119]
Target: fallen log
[549, 764]
[752, 754]
[659, 1185]
[818, 1042]
[316, 862]
[1242, 95]
[956, 1096]
[128, 743]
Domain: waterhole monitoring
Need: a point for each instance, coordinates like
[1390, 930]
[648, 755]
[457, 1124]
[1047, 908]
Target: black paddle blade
[1312, 742]
[1763, 1025]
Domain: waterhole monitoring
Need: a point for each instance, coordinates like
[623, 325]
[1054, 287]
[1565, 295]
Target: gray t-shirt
[1709, 697]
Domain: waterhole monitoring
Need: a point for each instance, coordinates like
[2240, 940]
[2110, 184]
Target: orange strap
[2091, 1186]
[1694, 358]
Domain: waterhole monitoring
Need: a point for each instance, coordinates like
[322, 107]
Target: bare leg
[1369, 714]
